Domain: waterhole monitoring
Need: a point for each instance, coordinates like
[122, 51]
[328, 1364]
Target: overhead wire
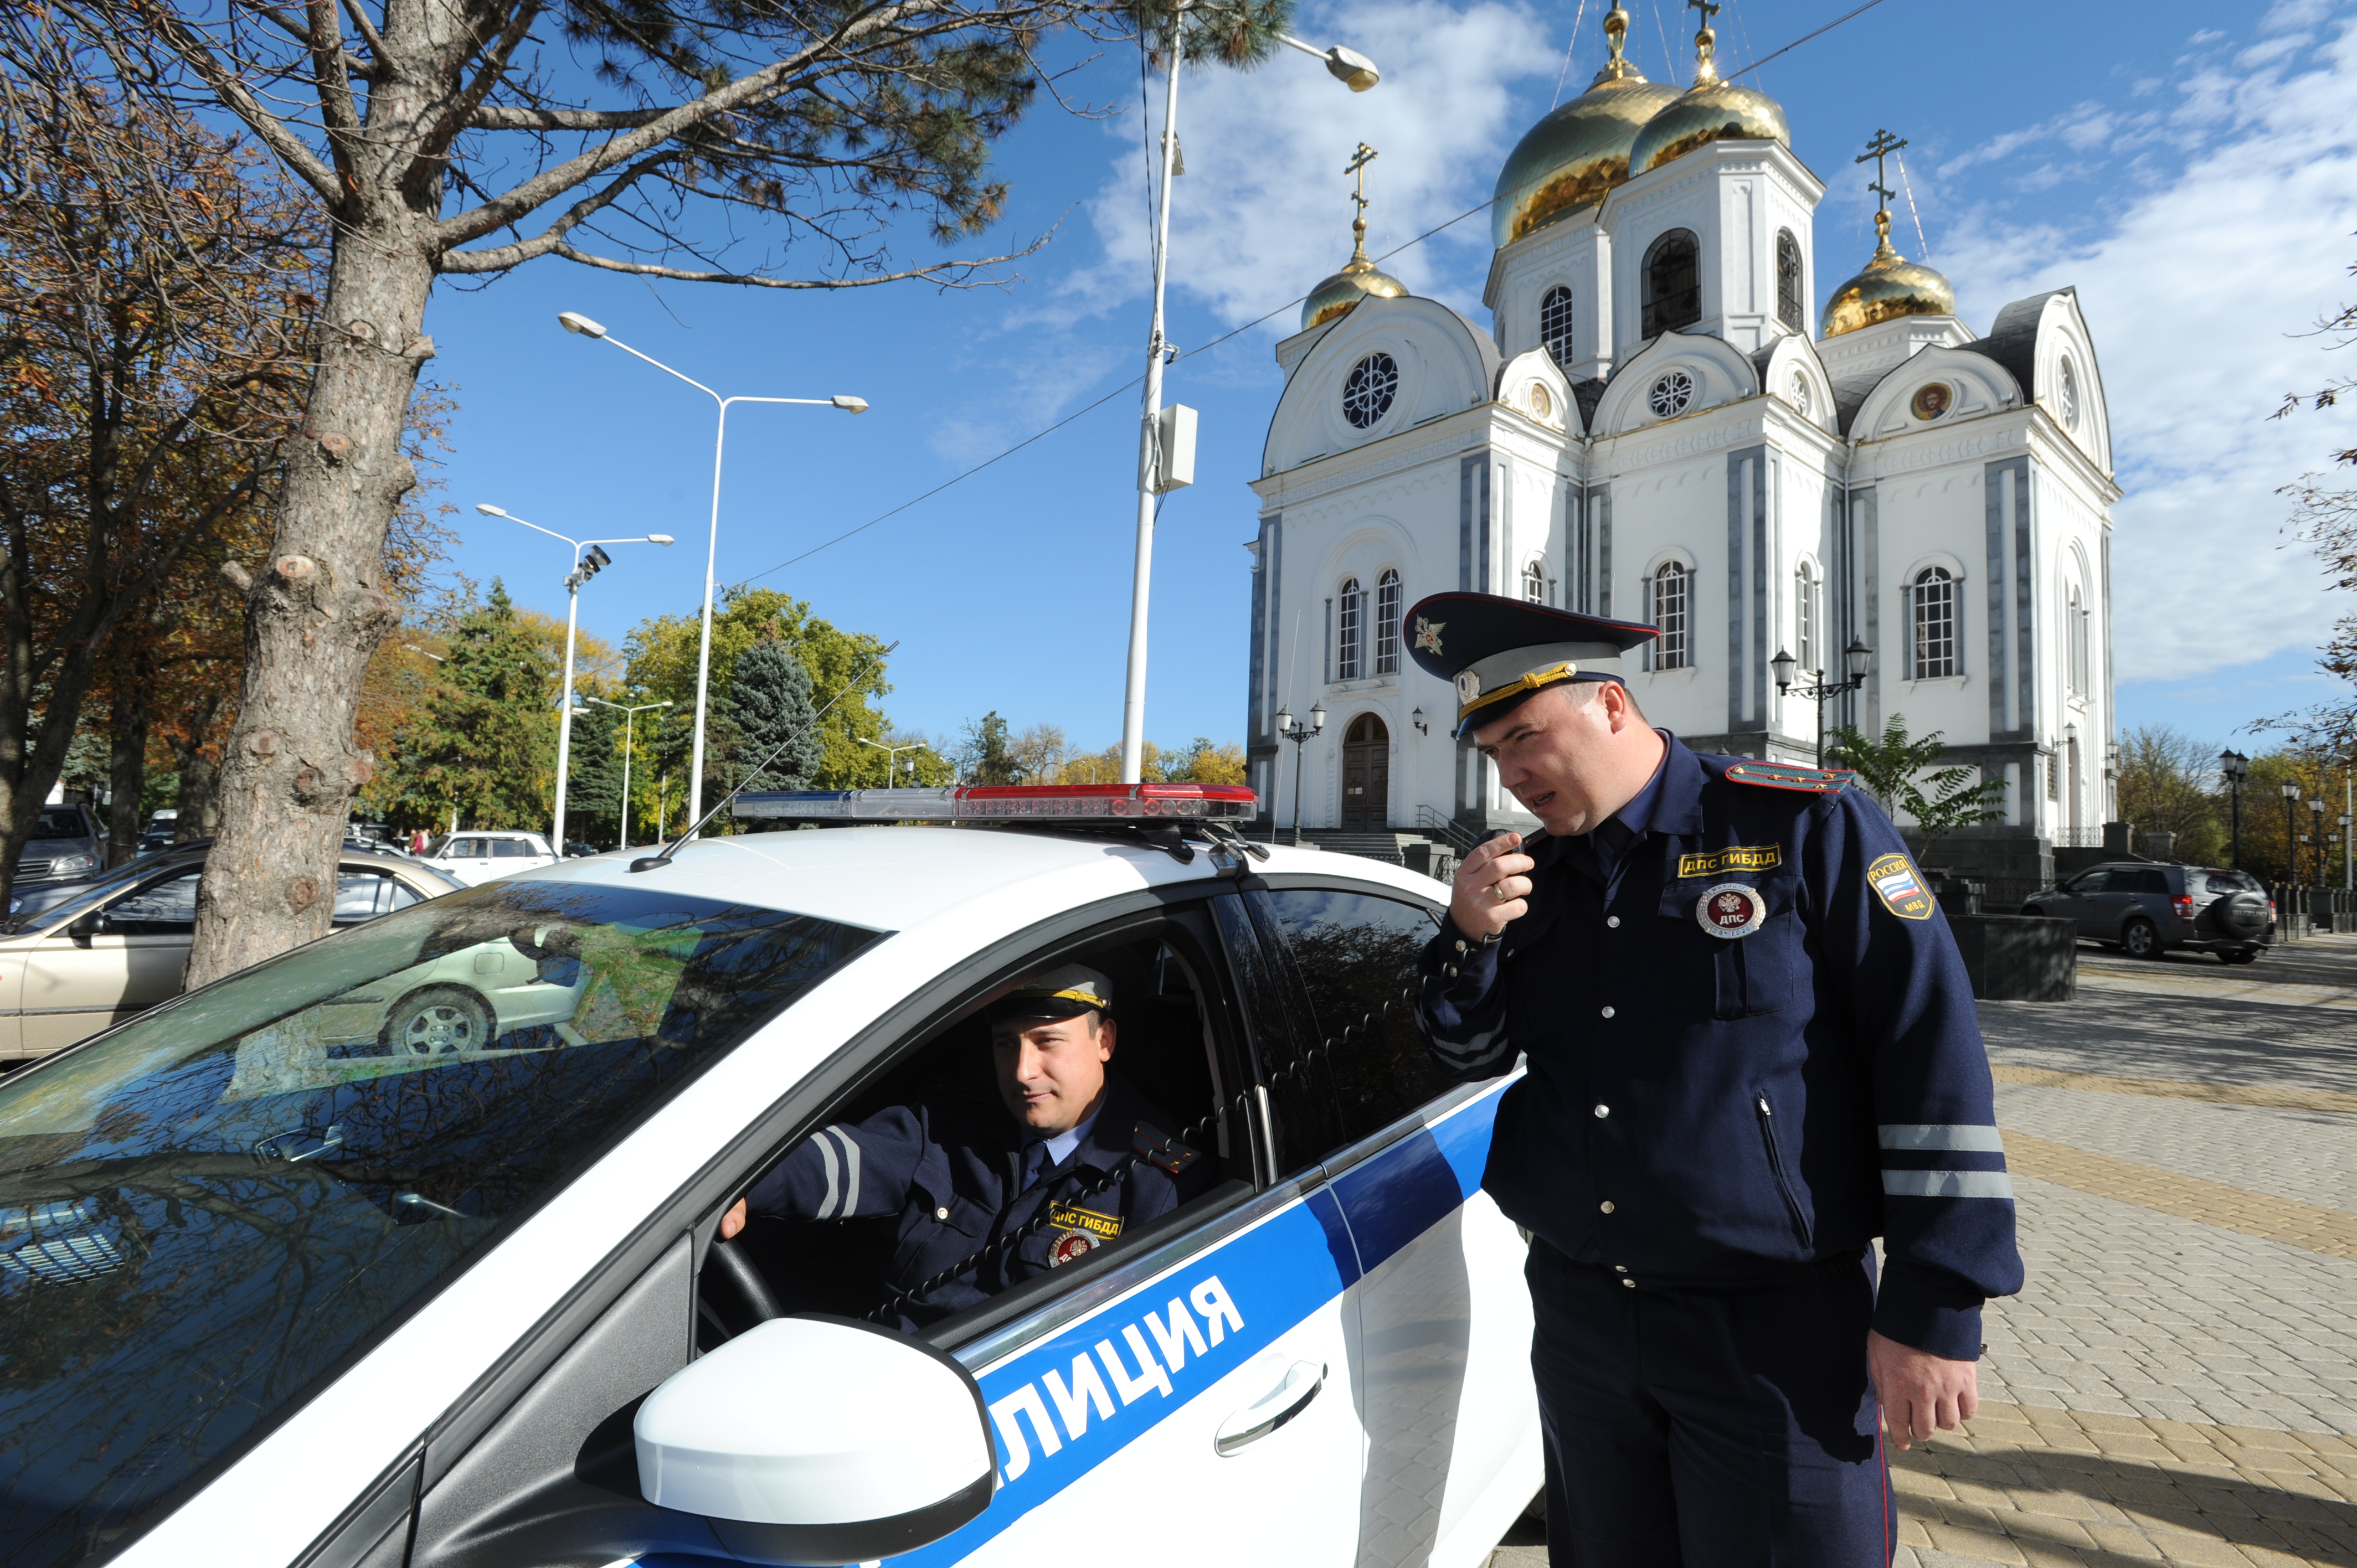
[1565, 75]
[1923, 245]
[1235, 333]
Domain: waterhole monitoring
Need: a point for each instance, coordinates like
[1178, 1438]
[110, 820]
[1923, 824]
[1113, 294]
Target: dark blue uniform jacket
[951, 1171]
[1705, 1111]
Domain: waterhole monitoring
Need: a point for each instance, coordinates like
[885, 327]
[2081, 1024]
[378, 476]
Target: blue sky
[2198, 185]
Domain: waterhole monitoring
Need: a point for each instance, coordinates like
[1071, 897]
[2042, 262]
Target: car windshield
[205, 1211]
[2226, 881]
[61, 822]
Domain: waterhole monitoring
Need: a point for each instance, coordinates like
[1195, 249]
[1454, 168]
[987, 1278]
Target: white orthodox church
[1661, 426]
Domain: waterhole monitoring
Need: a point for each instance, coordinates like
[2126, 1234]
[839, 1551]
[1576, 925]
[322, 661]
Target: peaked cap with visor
[1498, 651]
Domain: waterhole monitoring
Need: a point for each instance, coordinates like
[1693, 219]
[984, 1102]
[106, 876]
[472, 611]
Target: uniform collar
[1677, 801]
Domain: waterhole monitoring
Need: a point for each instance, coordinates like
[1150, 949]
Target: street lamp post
[629, 736]
[2291, 840]
[2235, 767]
[892, 758]
[2316, 813]
[575, 322]
[1358, 74]
[1293, 729]
[587, 558]
[1857, 661]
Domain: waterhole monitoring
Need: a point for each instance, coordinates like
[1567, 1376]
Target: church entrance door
[1366, 773]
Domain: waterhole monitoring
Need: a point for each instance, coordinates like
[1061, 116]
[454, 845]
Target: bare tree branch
[508, 117]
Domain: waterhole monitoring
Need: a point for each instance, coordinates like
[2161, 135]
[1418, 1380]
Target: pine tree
[593, 788]
[484, 740]
[770, 707]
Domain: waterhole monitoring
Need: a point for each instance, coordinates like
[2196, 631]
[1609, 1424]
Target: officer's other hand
[1921, 1393]
[1492, 887]
[733, 1221]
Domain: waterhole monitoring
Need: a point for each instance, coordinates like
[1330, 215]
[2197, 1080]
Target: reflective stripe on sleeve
[1947, 1183]
[826, 1154]
[1959, 1136]
[850, 1171]
[1482, 1049]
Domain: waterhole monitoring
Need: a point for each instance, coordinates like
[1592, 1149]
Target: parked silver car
[2147, 908]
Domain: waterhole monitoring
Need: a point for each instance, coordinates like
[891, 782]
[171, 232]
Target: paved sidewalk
[2178, 1383]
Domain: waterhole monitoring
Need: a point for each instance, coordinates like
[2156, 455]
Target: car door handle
[1272, 1409]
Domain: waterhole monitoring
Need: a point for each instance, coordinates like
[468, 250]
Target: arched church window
[1788, 279]
[1535, 581]
[1931, 626]
[1672, 588]
[2066, 393]
[1368, 392]
[1348, 627]
[1554, 325]
[1807, 609]
[1387, 620]
[2075, 620]
[1671, 276]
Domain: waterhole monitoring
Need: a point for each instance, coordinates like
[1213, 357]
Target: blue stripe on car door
[1274, 1276]
[1401, 1191]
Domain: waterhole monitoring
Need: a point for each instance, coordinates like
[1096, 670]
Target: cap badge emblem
[1731, 910]
[1469, 686]
[1427, 634]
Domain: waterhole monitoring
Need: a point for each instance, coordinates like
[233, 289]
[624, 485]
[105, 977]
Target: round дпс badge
[1072, 1244]
[1731, 910]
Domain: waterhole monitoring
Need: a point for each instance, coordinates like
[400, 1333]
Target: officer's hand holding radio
[1492, 888]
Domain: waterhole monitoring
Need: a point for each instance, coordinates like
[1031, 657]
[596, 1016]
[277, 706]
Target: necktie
[1035, 1163]
[1604, 845]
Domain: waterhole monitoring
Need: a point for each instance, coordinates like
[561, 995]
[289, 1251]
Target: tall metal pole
[2235, 798]
[629, 734]
[2348, 810]
[1299, 742]
[1133, 706]
[564, 723]
[703, 644]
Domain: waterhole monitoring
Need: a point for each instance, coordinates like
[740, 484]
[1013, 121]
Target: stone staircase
[1425, 852]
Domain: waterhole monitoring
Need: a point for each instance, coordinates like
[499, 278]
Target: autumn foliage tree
[155, 314]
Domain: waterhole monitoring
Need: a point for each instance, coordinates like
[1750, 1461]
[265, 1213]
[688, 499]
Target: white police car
[276, 1291]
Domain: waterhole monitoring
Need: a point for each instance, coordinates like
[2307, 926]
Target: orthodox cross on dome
[1705, 42]
[1358, 166]
[1881, 148]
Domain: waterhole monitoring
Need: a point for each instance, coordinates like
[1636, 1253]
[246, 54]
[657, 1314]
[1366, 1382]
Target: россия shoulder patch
[1787, 776]
[1902, 892]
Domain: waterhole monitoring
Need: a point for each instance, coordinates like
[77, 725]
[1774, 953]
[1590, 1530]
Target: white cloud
[2196, 285]
[1264, 211]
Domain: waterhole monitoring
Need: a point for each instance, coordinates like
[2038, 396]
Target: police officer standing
[1751, 1049]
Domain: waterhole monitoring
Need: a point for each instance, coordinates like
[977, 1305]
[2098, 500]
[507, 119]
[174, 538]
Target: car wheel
[435, 1020]
[2241, 955]
[2140, 938]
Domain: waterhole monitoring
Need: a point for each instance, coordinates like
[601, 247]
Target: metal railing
[2303, 912]
[1456, 834]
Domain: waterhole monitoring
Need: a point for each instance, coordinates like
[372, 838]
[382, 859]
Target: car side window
[511, 849]
[364, 894]
[2152, 882]
[2091, 883]
[1354, 955]
[166, 909]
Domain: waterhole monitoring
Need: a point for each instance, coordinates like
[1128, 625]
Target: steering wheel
[737, 1291]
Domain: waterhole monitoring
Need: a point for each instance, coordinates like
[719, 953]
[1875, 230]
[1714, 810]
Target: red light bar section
[1007, 802]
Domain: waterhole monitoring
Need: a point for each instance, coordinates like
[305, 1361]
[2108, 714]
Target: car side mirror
[819, 1440]
[87, 926]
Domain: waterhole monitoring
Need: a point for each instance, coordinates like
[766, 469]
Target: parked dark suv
[2148, 909]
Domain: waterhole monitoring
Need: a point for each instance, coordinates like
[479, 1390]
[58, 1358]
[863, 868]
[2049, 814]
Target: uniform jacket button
[1620, 1268]
[1608, 1012]
[1602, 1112]
[1612, 922]
[941, 1213]
[1606, 1206]
[1631, 1284]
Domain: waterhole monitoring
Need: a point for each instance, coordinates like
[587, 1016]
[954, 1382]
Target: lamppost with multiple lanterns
[2235, 767]
[2291, 832]
[1857, 661]
[1293, 729]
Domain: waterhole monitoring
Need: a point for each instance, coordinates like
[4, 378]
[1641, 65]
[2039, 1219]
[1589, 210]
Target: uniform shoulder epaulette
[1786, 776]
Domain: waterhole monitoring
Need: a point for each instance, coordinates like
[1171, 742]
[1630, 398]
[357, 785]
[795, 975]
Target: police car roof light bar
[1079, 804]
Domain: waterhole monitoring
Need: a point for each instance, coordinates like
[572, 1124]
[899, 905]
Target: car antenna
[657, 861]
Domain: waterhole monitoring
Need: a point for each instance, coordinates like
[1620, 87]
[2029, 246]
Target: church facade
[1661, 425]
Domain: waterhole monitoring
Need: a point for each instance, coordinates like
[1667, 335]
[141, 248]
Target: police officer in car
[1751, 1050]
[1078, 1156]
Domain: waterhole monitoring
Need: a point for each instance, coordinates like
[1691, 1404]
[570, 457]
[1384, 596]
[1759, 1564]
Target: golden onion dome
[1580, 151]
[1712, 110]
[1358, 278]
[1891, 286]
